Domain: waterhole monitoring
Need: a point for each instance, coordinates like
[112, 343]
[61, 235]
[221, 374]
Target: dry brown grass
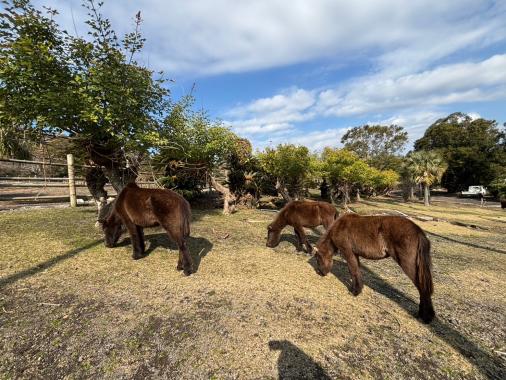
[69, 307]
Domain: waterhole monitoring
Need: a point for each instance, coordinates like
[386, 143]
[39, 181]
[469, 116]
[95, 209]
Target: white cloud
[220, 36]
[408, 46]
[446, 84]
[315, 141]
[277, 113]
[411, 100]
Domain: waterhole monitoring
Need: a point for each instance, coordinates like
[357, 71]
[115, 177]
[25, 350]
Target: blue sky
[303, 72]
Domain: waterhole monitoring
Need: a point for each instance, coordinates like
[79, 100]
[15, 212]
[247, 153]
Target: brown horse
[300, 214]
[378, 237]
[136, 208]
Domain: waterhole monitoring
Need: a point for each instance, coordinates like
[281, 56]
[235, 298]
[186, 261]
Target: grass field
[69, 307]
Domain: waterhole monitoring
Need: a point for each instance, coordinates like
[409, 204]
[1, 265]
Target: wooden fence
[76, 186]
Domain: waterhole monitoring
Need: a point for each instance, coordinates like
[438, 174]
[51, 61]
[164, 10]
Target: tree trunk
[283, 191]
[411, 195]
[324, 189]
[333, 196]
[346, 195]
[426, 194]
[113, 163]
[120, 177]
[96, 181]
[358, 196]
[228, 198]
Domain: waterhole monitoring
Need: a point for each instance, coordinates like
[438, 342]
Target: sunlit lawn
[71, 307]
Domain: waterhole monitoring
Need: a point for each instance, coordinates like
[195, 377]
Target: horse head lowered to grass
[136, 208]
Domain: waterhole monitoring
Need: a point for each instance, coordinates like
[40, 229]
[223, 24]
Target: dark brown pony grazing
[136, 208]
[378, 237]
[300, 214]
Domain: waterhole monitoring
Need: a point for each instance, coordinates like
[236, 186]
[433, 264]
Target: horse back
[302, 213]
[152, 207]
[376, 237]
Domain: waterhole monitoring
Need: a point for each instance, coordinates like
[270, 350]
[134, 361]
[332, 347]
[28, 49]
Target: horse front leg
[299, 240]
[354, 267]
[137, 237]
[303, 239]
[180, 261]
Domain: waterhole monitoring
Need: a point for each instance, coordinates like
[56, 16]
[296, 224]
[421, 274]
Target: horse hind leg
[426, 309]
[299, 240]
[185, 262]
[303, 239]
[408, 265]
[188, 267]
[140, 234]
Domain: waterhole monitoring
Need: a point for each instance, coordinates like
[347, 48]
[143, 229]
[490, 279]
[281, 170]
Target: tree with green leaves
[290, 165]
[348, 174]
[382, 181]
[340, 167]
[427, 168]
[13, 144]
[473, 148]
[92, 90]
[192, 148]
[379, 145]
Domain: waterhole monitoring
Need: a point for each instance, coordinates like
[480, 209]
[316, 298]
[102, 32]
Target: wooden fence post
[72, 182]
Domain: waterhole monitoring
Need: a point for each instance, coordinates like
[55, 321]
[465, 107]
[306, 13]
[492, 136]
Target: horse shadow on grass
[293, 363]
[488, 364]
[292, 239]
[199, 247]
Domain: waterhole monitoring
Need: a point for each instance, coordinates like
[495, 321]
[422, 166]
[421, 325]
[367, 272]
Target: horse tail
[424, 278]
[423, 261]
[187, 216]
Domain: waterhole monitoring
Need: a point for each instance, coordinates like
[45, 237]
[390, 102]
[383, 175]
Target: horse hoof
[356, 291]
[137, 257]
[179, 268]
[426, 317]
[188, 272]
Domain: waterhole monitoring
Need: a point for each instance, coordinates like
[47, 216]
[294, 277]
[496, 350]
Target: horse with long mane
[379, 237]
[300, 214]
[136, 208]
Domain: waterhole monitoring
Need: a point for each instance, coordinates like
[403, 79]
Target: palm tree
[427, 168]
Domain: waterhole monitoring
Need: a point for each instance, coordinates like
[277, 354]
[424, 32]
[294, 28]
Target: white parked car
[474, 191]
